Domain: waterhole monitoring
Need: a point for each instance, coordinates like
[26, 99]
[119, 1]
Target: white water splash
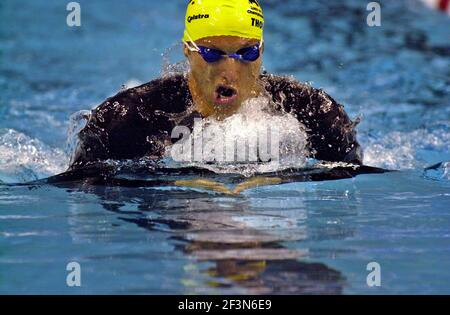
[77, 121]
[25, 159]
[173, 64]
[132, 83]
[446, 168]
[253, 119]
[405, 150]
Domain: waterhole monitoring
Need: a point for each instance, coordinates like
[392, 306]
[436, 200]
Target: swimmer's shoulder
[277, 83]
[128, 125]
[297, 96]
[312, 105]
[169, 93]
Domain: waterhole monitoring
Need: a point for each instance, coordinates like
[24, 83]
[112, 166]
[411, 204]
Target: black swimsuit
[138, 122]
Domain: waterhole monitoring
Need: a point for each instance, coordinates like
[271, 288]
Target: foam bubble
[440, 171]
[246, 126]
[25, 159]
[407, 150]
[77, 122]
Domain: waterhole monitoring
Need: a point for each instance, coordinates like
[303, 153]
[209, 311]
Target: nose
[230, 69]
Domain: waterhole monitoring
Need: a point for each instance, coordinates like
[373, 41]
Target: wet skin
[208, 80]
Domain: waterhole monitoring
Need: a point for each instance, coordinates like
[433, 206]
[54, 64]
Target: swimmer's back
[138, 122]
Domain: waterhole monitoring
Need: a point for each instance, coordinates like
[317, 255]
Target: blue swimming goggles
[247, 54]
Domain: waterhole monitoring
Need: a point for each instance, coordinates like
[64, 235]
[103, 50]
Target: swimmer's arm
[92, 144]
[334, 133]
[115, 130]
[331, 133]
[126, 125]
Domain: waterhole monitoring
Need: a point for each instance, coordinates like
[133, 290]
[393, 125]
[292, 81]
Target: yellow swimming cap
[205, 18]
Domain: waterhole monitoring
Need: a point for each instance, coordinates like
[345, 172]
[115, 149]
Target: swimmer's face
[219, 88]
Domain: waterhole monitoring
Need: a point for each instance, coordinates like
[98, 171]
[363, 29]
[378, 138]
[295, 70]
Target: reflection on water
[249, 244]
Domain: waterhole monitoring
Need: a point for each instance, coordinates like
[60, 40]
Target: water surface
[300, 237]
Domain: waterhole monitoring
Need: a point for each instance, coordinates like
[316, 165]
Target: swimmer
[223, 43]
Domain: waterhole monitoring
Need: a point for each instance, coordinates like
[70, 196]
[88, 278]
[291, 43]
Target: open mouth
[225, 95]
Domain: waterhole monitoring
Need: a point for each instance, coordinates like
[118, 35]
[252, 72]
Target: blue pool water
[301, 237]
